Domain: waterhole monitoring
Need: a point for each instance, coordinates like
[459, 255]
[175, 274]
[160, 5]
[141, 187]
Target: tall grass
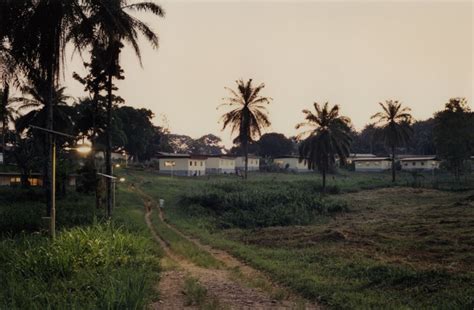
[96, 267]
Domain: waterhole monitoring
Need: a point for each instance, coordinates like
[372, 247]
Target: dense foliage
[261, 205]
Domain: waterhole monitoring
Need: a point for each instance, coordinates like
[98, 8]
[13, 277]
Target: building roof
[176, 155]
[361, 155]
[250, 156]
[372, 159]
[223, 156]
[420, 158]
[7, 174]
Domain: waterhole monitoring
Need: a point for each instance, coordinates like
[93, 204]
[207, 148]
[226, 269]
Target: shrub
[262, 205]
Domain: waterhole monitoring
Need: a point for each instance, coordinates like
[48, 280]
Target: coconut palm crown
[248, 115]
[394, 122]
[327, 136]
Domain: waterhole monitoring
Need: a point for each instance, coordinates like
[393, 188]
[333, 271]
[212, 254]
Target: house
[218, 164]
[181, 164]
[291, 163]
[35, 179]
[354, 156]
[419, 163]
[253, 164]
[372, 164]
[14, 179]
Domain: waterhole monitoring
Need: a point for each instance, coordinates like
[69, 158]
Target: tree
[138, 129]
[208, 144]
[248, 115]
[454, 134]
[328, 135]
[7, 115]
[394, 122]
[366, 142]
[422, 141]
[38, 32]
[112, 25]
[274, 144]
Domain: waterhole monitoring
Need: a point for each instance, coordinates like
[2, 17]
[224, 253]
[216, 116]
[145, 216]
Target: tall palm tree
[328, 135]
[394, 123]
[38, 38]
[112, 25]
[248, 115]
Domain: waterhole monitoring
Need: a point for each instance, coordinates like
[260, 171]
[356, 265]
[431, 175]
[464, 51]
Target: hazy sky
[351, 53]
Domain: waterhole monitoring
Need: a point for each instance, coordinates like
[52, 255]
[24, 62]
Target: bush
[263, 205]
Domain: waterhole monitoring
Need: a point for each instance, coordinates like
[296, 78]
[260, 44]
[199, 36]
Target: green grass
[397, 248]
[92, 264]
[95, 267]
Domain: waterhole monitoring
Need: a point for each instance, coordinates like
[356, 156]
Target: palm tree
[248, 115]
[394, 123]
[7, 115]
[111, 24]
[34, 101]
[39, 32]
[328, 135]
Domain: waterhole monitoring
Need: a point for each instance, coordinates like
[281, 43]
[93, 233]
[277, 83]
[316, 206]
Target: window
[201, 163]
[414, 163]
[191, 163]
[170, 163]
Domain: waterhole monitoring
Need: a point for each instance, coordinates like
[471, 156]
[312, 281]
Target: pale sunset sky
[351, 53]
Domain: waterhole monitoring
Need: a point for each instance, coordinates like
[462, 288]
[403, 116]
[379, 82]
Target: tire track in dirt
[221, 285]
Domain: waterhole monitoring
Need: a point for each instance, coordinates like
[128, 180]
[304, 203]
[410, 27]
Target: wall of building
[253, 164]
[218, 165]
[371, 166]
[419, 164]
[182, 166]
[292, 164]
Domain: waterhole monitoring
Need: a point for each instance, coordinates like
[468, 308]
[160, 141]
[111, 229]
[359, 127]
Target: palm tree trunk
[48, 167]
[108, 150]
[393, 163]
[324, 179]
[6, 91]
[246, 152]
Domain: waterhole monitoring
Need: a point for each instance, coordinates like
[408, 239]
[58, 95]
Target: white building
[291, 163]
[181, 164]
[419, 163]
[253, 164]
[373, 164]
[217, 164]
[355, 156]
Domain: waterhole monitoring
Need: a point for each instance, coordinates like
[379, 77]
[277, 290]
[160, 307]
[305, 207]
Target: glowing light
[84, 148]
[122, 179]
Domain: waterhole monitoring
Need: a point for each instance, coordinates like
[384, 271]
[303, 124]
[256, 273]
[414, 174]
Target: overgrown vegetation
[92, 264]
[96, 267]
[386, 253]
[262, 205]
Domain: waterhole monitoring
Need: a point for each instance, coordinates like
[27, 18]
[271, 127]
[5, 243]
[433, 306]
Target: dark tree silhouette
[328, 135]
[248, 115]
[394, 122]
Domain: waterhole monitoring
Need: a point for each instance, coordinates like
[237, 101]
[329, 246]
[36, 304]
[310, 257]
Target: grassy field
[93, 264]
[396, 247]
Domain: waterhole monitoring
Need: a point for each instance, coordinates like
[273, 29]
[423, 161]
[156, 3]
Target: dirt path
[221, 284]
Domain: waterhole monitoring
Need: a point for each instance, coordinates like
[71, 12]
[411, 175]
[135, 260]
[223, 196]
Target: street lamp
[114, 181]
[82, 149]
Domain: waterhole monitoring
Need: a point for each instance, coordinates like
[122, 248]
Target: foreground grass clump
[97, 267]
[238, 205]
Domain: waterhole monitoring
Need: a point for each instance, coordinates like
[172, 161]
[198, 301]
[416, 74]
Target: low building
[373, 164]
[291, 163]
[14, 179]
[253, 164]
[355, 156]
[181, 164]
[220, 164]
[419, 163]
